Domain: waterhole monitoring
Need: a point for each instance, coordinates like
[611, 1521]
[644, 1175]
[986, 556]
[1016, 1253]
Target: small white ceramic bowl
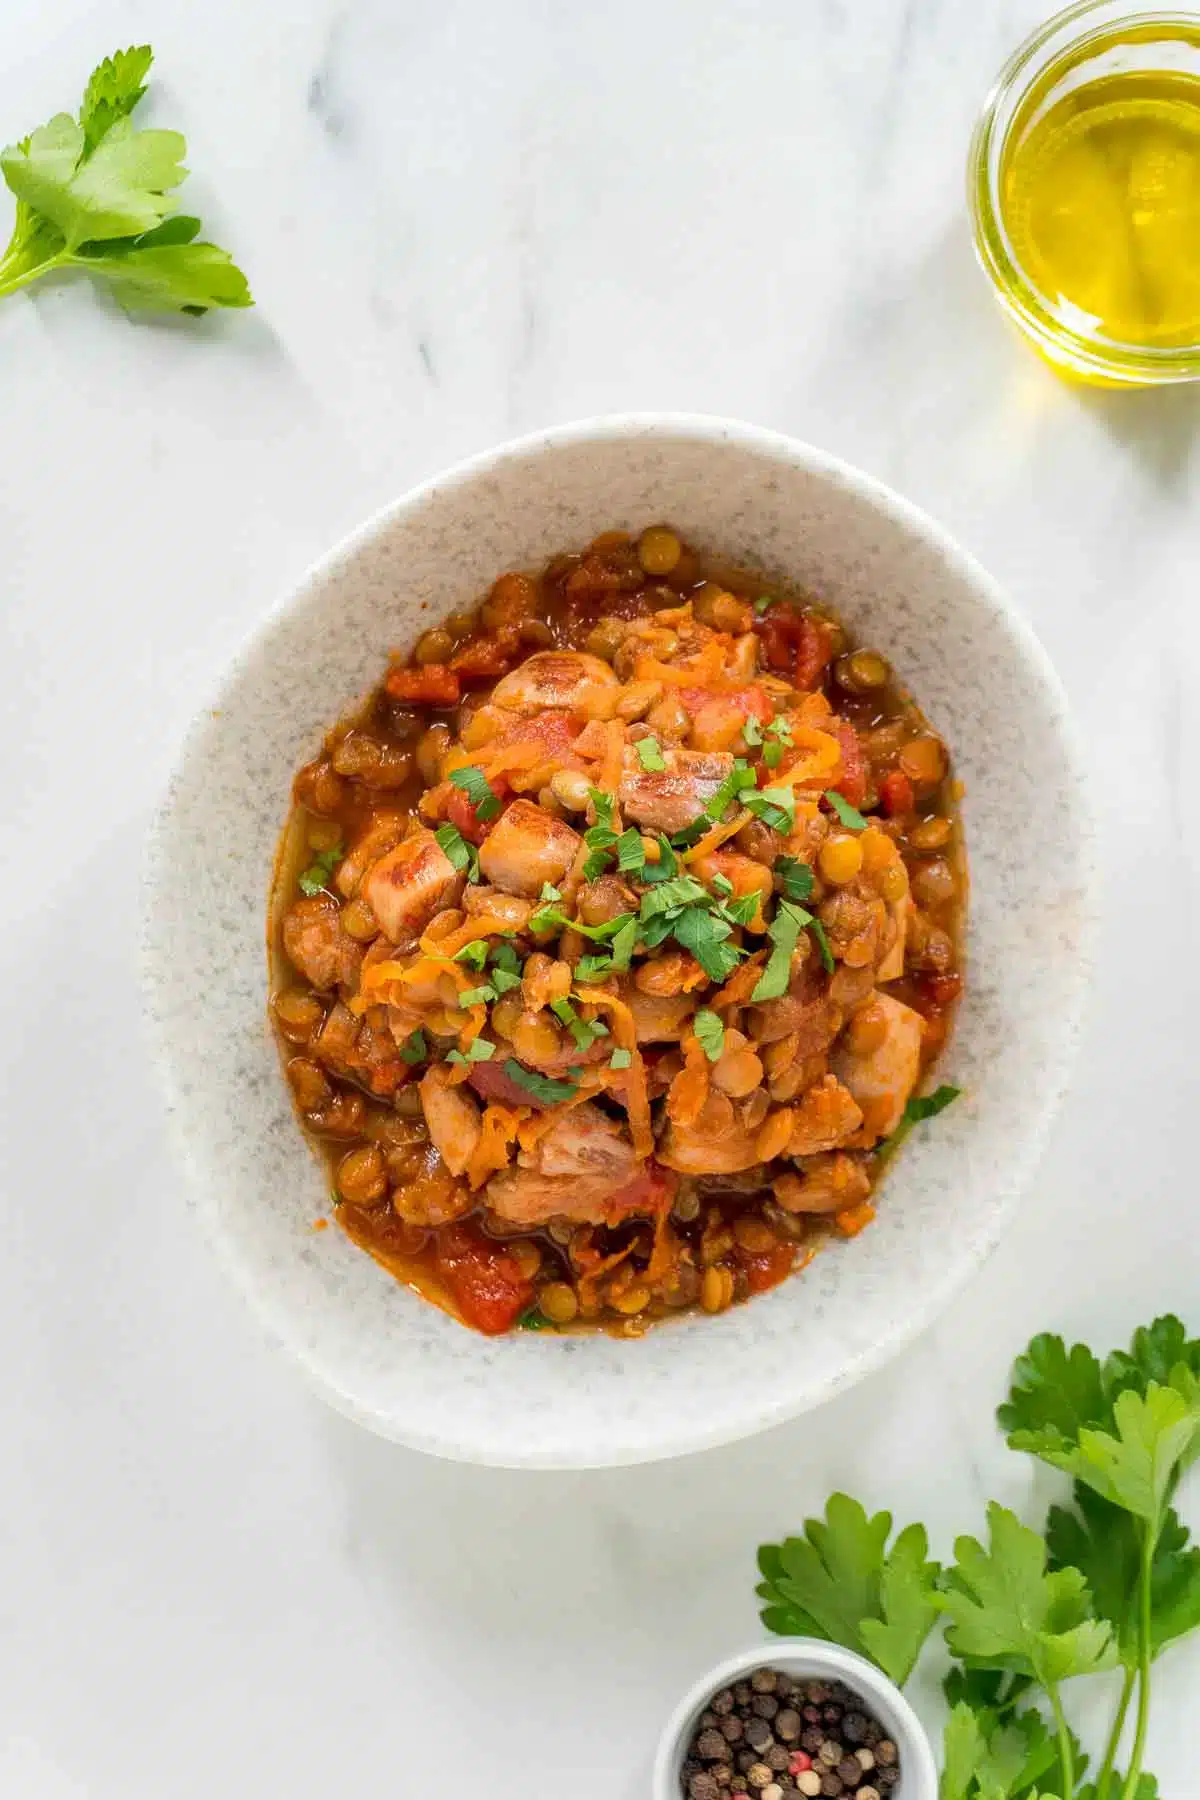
[371, 1347]
[814, 1660]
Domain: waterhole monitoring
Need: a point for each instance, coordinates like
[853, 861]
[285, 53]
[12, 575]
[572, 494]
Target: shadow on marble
[1158, 425]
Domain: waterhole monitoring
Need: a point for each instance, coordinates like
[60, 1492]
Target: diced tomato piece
[794, 644]
[491, 1083]
[485, 1279]
[461, 812]
[940, 991]
[852, 783]
[812, 653]
[485, 659]
[649, 1192]
[896, 794]
[433, 685]
[767, 1268]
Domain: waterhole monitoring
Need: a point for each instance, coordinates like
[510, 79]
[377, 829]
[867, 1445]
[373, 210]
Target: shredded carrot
[826, 755]
[741, 983]
[535, 1125]
[708, 666]
[855, 1219]
[666, 1247]
[481, 926]
[712, 840]
[610, 768]
[637, 1098]
[497, 1133]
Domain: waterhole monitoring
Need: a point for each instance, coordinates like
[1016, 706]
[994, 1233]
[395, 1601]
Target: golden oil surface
[1101, 200]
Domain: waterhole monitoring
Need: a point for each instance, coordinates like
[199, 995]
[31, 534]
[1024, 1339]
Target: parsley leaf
[650, 755]
[704, 935]
[478, 1050]
[601, 841]
[477, 996]
[784, 933]
[475, 953]
[743, 910]
[505, 958]
[414, 1049]
[1136, 1465]
[850, 816]
[584, 1034]
[1145, 1788]
[95, 194]
[684, 890]
[456, 849]
[797, 877]
[624, 939]
[986, 1758]
[710, 1033]
[739, 779]
[776, 807]
[593, 968]
[548, 916]
[752, 730]
[541, 1087]
[478, 789]
[918, 1109]
[631, 852]
[762, 603]
[504, 980]
[319, 873]
[772, 755]
[840, 1582]
[534, 1320]
[667, 866]
[1103, 1542]
[1009, 1612]
[603, 806]
[620, 1059]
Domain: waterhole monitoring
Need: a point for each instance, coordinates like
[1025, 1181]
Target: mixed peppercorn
[775, 1736]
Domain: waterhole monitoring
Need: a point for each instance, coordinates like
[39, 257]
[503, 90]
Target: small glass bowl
[1091, 39]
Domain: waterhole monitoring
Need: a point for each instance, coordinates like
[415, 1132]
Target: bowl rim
[803, 1656]
[985, 592]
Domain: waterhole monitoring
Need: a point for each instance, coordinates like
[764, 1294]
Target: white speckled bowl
[396, 1363]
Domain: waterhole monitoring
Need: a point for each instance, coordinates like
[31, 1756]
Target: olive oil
[1100, 197]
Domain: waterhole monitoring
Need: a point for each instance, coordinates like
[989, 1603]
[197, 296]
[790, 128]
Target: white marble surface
[464, 221]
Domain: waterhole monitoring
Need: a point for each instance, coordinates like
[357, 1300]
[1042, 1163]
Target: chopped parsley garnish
[624, 939]
[541, 1087]
[780, 728]
[550, 892]
[506, 958]
[705, 936]
[650, 755]
[722, 885]
[547, 917]
[772, 755]
[667, 866]
[631, 852]
[414, 1049]
[584, 1033]
[762, 603]
[504, 980]
[850, 816]
[593, 968]
[685, 890]
[710, 1033]
[818, 931]
[620, 1059]
[319, 873]
[478, 789]
[477, 996]
[741, 911]
[776, 807]
[478, 1050]
[534, 1320]
[919, 1108]
[739, 778]
[784, 933]
[473, 954]
[457, 850]
[602, 806]
[752, 731]
[601, 841]
[797, 877]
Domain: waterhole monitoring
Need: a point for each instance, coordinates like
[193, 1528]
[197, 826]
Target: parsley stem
[9, 283]
[1065, 1753]
[1145, 1657]
[1114, 1742]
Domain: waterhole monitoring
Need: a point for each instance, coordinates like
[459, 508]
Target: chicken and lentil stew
[612, 939]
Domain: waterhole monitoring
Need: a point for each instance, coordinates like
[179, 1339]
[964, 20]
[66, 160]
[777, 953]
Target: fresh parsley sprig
[94, 193]
[319, 873]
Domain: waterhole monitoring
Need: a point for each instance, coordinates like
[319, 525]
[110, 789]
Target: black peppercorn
[853, 1726]
[704, 1787]
[831, 1785]
[742, 1692]
[777, 1758]
[886, 1752]
[722, 1702]
[765, 1705]
[787, 1724]
[812, 1739]
[711, 1747]
[731, 1729]
[758, 1734]
[850, 1770]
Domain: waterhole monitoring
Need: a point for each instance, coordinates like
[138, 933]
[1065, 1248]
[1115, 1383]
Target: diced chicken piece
[828, 1184]
[881, 1080]
[352, 1047]
[569, 679]
[673, 798]
[892, 966]
[584, 1168]
[826, 1117]
[815, 1020]
[313, 938]
[383, 834]
[660, 1018]
[405, 888]
[452, 1118]
[527, 848]
[694, 1151]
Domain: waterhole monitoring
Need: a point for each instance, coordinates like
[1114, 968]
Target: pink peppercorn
[801, 1762]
